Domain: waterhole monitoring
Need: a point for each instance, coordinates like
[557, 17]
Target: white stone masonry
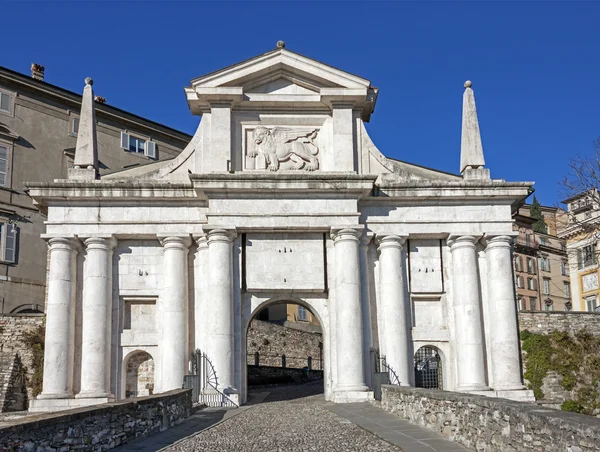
[470, 359]
[174, 312]
[348, 325]
[504, 334]
[60, 319]
[394, 310]
[219, 335]
[96, 323]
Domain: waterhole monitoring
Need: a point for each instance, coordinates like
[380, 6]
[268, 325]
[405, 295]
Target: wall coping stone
[551, 415]
[41, 420]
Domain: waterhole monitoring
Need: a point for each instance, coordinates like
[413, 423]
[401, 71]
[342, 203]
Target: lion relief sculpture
[280, 145]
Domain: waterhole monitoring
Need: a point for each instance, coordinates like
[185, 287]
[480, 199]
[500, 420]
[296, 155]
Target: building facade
[541, 265]
[581, 236]
[38, 131]
[280, 197]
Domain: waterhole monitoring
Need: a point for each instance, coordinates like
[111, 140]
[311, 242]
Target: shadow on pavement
[287, 392]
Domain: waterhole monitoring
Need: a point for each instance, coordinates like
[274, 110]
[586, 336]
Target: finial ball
[468, 84]
[89, 81]
[280, 44]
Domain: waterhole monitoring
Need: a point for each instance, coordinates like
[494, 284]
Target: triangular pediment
[280, 61]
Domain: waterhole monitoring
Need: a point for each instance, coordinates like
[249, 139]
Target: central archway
[284, 341]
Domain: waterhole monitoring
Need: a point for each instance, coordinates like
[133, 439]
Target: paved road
[289, 419]
[294, 418]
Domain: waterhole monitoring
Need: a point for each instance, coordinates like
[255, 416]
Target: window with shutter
[124, 141]
[10, 243]
[5, 102]
[151, 149]
[3, 165]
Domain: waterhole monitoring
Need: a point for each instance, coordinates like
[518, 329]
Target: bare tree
[581, 188]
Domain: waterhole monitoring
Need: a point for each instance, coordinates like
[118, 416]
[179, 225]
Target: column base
[472, 388]
[51, 396]
[96, 395]
[523, 395]
[343, 396]
[44, 405]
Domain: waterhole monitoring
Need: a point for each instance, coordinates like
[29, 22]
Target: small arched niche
[139, 375]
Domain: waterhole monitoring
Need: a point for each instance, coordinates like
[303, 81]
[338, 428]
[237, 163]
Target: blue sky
[535, 67]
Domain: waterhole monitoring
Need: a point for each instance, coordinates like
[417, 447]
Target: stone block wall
[554, 394]
[493, 425]
[265, 375]
[16, 360]
[101, 427]
[545, 322]
[271, 341]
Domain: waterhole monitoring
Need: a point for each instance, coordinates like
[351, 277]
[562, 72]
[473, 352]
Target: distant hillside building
[541, 265]
[581, 234]
[39, 125]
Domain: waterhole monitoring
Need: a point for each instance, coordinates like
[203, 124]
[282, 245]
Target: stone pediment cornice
[268, 184]
[45, 193]
[422, 190]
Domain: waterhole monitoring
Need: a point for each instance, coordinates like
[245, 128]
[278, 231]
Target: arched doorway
[428, 368]
[139, 376]
[284, 345]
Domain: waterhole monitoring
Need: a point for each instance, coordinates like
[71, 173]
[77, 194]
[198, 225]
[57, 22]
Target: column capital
[494, 241]
[175, 241]
[391, 241]
[201, 241]
[345, 233]
[221, 235]
[459, 241]
[61, 243]
[107, 242]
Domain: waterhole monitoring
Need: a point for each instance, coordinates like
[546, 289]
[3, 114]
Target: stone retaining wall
[265, 375]
[572, 322]
[271, 341]
[547, 321]
[101, 427]
[16, 357]
[493, 425]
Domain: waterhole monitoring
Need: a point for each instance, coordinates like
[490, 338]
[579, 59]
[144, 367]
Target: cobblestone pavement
[289, 419]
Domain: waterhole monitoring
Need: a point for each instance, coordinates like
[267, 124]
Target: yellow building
[581, 235]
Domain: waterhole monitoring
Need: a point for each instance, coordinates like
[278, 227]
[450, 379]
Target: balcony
[528, 244]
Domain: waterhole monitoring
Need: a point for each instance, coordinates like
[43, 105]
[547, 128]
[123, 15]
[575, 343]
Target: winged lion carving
[280, 145]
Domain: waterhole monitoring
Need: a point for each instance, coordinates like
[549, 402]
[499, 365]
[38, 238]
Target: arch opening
[139, 375]
[284, 345]
[428, 368]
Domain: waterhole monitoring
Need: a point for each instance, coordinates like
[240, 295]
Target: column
[174, 312]
[348, 324]
[200, 295]
[366, 306]
[504, 334]
[60, 320]
[96, 318]
[470, 360]
[394, 309]
[219, 343]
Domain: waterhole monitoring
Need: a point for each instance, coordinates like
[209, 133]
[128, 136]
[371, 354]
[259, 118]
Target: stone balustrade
[491, 424]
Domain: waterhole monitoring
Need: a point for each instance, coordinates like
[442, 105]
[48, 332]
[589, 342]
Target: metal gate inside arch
[428, 368]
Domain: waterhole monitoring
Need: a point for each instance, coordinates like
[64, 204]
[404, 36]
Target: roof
[55, 90]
